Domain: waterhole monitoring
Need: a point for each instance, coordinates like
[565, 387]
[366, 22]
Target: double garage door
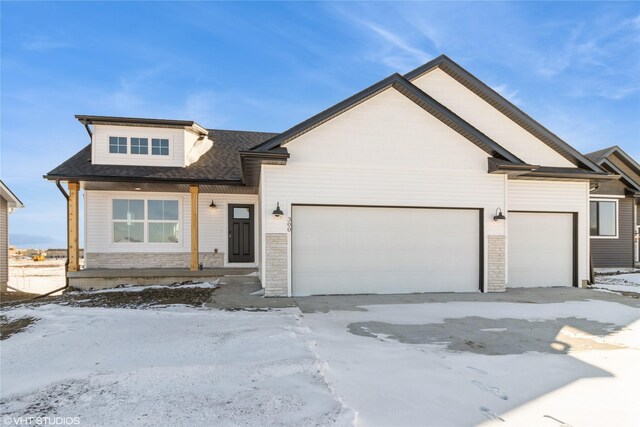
[382, 250]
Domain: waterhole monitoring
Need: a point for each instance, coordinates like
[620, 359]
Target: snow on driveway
[170, 366]
[382, 364]
[433, 364]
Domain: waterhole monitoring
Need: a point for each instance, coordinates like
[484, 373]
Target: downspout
[66, 264]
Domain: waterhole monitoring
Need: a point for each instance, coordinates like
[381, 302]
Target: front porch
[101, 278]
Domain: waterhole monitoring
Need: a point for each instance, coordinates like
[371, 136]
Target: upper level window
[603, 217]
[118, 144]
[139, 146]
[160, 147]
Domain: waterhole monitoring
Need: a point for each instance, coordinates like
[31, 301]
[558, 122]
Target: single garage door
[540, 249]
[376, 250]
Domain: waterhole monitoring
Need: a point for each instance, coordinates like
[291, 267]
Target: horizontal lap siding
[4, 242]
[608, 253]
[488, 120]
[212, 227]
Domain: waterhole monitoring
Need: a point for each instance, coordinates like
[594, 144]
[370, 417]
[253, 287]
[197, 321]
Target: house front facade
[427, 182]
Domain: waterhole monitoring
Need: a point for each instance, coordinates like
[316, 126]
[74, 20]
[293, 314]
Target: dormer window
[117, 145]
[139, 146]
[159, 147]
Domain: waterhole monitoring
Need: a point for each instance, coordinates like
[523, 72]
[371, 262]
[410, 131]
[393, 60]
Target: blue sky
[574, 67]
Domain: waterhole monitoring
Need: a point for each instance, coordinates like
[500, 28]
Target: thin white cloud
[44, 43]
[511, 95]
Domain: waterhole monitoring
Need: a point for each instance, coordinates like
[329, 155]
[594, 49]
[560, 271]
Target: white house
[426, 182]
[8, 202]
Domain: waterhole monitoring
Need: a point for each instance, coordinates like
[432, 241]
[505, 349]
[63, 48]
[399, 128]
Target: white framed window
[128, 221]
[603, 218]
[145, 221]
[117, 145]
[139, 145]
[160, 147]
[163, 216]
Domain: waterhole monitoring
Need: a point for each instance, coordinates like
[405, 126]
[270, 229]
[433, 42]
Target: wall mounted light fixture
[278, 212]
[499, 216]
[212, 205]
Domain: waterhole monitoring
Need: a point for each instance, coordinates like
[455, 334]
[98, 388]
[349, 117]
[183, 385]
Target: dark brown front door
[241, 235]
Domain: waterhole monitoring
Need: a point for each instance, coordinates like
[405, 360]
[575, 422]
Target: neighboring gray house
[614, 205]
[425, 182]
[8, 202]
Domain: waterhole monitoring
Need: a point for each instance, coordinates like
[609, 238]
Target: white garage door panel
[540, 249]
[351, 250]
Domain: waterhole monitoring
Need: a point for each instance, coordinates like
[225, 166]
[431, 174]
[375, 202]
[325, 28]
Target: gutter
[66, 264]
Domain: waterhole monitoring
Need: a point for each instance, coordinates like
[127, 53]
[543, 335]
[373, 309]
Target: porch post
[73, 252]
[195, 250]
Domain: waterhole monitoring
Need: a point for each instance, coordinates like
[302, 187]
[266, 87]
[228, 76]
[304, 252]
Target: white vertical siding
[488, 120]
[555, 196]
[100, 146]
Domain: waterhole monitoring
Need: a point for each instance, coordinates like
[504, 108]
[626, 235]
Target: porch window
[139, 146]
[163, 221]
[117, 145]
[159, 147]
[603, 218]
[128, 221]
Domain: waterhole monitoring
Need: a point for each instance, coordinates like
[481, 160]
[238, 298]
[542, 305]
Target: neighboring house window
[604, 218]
[139, 146]
[163, 221]
[118, 145]
[128, 221]
[160, 147]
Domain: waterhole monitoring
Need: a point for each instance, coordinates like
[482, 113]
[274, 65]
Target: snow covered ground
[172, 366]
[437, 364]
[626, 282]
[36, 277]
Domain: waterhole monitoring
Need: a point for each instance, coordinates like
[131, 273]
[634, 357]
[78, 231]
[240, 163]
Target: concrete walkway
[244, 293]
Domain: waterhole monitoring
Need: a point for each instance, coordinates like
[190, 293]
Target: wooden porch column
[195, 250]
[73, 251]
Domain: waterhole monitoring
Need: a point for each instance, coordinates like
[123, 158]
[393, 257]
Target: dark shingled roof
[220, 163]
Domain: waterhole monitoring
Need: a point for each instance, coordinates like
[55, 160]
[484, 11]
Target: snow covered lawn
[625, 282]
[435, 364]
[170, 366]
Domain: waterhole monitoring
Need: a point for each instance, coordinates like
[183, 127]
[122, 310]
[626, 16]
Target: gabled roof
[629, 169]
[218, 165]
[9, 196]
[503, 105]
[412, 92]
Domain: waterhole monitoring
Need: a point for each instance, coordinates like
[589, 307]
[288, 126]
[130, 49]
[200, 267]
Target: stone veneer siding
[150, 259]
[276, 265]
[496, 260]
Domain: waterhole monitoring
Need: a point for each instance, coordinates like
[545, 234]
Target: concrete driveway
[553, 356]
